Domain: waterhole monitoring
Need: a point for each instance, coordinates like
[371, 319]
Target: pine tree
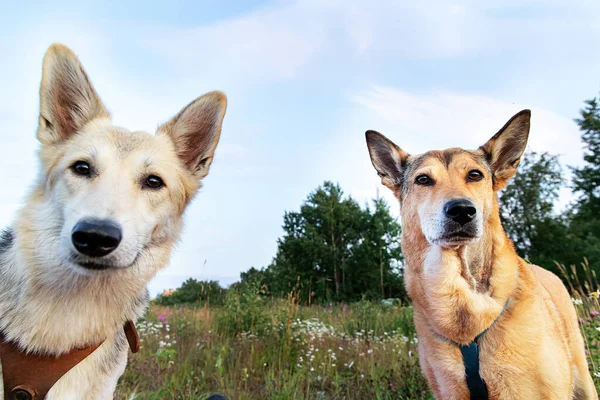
[586, 179]
[585, 216]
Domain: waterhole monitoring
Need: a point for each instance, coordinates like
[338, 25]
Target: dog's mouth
[94, 266]
[456, 238]
[100, 265]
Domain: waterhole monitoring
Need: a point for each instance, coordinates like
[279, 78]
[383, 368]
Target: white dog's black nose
[96, 238]
[460, 210]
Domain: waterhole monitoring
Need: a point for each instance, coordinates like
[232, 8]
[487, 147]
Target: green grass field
[258, 348]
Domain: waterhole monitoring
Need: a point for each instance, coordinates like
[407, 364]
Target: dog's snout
[96, 238]
[460, 210]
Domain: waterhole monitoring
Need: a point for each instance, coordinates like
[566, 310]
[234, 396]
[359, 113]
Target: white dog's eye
[153, 182]
[81, 168]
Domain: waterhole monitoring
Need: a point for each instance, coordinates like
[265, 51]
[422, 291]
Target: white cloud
[272, 44]
[281, 41]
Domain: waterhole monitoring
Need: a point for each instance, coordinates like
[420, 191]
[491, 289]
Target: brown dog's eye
[81, 168]
[474, 176]
[424, 180]
[153, 182]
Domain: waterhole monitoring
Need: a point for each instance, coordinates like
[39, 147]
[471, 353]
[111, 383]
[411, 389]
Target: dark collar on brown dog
[30, 376]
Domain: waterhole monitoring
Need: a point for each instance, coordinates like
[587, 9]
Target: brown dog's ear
[67, 98]
[387, 158]
[195, 131]
[504, 150]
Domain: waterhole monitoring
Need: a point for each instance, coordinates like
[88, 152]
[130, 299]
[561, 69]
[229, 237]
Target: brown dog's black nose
[96, 238]
[460, 210]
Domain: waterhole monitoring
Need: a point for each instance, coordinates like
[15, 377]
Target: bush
[193, 291]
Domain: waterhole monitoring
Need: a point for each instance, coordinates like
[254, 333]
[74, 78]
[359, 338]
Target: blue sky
[305, 79]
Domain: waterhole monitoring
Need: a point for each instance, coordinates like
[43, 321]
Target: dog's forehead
[126, 142]
[119, 143]
[445, 158]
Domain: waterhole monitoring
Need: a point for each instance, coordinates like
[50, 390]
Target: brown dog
[464, 275]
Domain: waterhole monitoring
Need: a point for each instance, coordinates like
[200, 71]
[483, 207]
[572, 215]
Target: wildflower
[351, 364]
[577, 302]
[594, 295]
[594, 313]
[597, 374]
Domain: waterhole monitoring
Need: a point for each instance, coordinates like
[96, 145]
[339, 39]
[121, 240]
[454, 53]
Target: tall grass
[583, 285]
[253, 347]
[258, 348]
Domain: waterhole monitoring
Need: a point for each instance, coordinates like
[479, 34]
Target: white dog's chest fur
[97, 375]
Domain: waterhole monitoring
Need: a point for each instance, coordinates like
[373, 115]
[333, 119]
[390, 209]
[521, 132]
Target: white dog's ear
[195, 131]
[387, 158]
[504, 150]
[67, 98]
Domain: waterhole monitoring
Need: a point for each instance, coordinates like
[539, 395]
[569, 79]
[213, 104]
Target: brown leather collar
[30, 376]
